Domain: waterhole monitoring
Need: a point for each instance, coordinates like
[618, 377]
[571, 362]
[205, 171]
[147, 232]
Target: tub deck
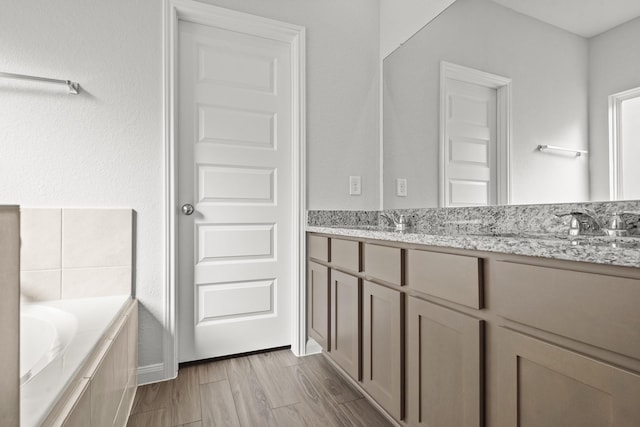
[95, 319]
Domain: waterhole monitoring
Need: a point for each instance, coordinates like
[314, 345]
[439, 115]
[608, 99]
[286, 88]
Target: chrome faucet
[617, 226]
[400, 222]
[583, 221]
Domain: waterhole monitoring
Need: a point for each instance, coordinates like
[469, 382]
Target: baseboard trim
[312, 347]
[153, 373]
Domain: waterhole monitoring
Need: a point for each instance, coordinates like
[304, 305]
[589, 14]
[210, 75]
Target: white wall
[549, 79]
[342, 94]
[399, 20]
[614, 64]
[104, 147]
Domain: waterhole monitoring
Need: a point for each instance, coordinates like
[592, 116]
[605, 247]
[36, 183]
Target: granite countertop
[622, 251]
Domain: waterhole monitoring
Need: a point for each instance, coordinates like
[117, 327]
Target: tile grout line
[61, 249]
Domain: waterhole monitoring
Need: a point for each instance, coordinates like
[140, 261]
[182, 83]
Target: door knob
[187, 209]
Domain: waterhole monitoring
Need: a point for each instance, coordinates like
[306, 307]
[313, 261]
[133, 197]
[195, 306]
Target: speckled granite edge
[513, 219]
[448, 227]
[540, 247]
[334, 218]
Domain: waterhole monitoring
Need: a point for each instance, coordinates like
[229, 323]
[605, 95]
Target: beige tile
[80, 415]
[9, 314]
[40, 236]
[43, 285]
[96, 238]
[102, 386]
[95, 282]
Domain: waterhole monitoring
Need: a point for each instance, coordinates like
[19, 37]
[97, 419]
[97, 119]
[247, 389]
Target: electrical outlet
[401, 187]
[355, 187]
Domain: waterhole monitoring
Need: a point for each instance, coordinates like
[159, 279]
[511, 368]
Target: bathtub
[57, 338]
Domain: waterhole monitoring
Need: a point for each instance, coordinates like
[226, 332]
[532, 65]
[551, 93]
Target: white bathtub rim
[38, 396]
[59, 328]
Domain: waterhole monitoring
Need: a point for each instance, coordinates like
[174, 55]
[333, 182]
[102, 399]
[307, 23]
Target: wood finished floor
[268, 389]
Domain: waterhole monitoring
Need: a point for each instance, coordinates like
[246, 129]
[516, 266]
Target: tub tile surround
[75, 253]
[472, 228]
[9, 315]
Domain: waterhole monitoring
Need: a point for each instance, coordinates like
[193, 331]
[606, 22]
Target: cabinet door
[345, 322]
[318, 304]
[445, 366]
[543, 385]
[382, 367]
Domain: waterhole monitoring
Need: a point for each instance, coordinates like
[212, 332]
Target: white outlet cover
[401, 187]
[355, 186]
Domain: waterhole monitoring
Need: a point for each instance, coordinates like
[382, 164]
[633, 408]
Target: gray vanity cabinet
[444, 370]
[345, 322]
[382, 345]
[541, 384]
[457, 337]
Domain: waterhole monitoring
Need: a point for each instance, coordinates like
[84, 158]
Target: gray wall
[104, 148]
[614, 63]
[550, 83]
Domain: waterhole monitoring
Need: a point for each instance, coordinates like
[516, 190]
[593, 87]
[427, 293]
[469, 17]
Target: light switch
[401, 187]
[355, 188]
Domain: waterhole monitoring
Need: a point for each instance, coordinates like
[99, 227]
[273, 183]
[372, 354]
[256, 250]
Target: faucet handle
[617, 226]
[575, 226]
[582, 221]
[399, 222]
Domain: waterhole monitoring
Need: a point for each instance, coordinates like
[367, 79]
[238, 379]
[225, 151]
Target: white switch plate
[401, 187]
[355, 187]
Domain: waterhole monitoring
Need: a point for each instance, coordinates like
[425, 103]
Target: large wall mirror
[471, 97]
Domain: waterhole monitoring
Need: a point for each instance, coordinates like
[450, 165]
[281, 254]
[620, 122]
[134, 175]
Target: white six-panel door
[475, 137]
[234, 167]
[470, 145]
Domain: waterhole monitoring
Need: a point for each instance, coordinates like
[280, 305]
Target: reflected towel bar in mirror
[577, 152]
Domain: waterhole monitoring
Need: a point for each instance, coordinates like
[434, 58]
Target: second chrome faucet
[586, 222]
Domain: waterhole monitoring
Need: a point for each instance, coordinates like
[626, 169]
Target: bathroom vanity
[459, 331]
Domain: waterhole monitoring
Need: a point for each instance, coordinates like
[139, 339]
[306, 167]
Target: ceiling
[586, 18]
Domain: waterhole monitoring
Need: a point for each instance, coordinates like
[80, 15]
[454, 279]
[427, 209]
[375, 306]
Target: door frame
[502, 85]
[616, 190]
[294, 35]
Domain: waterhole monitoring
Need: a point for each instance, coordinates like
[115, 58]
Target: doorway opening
[624, 144]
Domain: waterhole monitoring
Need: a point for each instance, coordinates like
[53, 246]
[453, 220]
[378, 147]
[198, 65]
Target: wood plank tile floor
[267, 389]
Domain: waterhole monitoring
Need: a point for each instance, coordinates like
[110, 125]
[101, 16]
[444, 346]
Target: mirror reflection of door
[474, 137]
[624, 112]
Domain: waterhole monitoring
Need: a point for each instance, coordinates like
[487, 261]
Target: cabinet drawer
[318, 247]
[383, 262]
[592, 308]
[456, 278]
[345, 254]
